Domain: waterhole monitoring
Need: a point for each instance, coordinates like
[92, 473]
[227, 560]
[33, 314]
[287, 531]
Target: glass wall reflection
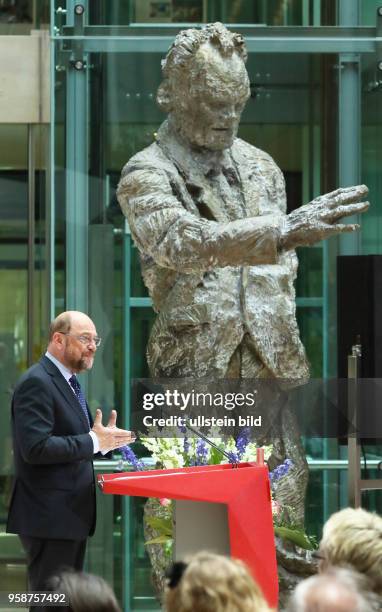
[261, 12]
[19, 17]
[293, 115]
[24, 307]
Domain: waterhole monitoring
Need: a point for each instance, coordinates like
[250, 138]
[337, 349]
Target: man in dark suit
[54, 438]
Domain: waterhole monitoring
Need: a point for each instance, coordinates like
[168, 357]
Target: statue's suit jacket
[208, 242]
[54, 491]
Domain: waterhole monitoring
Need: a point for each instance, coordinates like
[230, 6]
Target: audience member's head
[212, 583]
[336, 590]
[354, 538]
[85, 592]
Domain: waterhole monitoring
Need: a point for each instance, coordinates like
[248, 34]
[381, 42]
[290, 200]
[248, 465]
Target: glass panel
[59, 202]
[141, 323]
[284, 117]
[310, 324]
[372, 153]
[310, 272]
[368, 13]
[119, 318]
[13, 282]
[41, 278]
[293, 116]
[265, 12]
[287, 116]
[15, 307]
[138, 288]
[142, 594]
[104, 550]
[21, 16]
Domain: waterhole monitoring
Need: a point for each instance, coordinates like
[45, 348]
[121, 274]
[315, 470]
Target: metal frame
[51, 250]
[31, 241]
[349, 137]
[270, 39]
[77, 208]
[126, 504]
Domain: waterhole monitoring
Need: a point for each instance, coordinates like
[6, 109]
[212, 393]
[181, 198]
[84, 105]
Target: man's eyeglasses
[86, 340]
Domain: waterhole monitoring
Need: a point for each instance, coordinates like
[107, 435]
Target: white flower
[168, 449]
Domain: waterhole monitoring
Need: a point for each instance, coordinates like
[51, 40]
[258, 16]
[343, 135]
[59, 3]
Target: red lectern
[243, 488]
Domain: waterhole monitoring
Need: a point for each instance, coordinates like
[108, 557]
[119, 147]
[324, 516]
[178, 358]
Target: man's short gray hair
[316, 589]
[62, 323]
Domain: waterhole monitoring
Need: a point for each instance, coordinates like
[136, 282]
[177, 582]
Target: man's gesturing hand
[319, 219]
[111, 437]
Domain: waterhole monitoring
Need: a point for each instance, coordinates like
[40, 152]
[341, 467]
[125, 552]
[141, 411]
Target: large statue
[207, 212]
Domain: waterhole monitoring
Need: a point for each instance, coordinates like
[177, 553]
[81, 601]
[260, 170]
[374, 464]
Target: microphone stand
[203, 437]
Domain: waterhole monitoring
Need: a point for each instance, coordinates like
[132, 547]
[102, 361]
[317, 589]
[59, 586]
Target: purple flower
[129, 455]
[242, 441]
[186, 446]
[201, 453]
[280, 471]
[233, 457]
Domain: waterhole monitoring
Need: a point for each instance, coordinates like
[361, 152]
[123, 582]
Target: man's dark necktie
[79, 395]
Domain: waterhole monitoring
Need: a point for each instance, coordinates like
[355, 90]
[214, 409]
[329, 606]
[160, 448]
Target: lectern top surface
[197, 469]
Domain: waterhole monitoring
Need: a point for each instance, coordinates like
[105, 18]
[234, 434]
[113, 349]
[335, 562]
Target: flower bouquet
[171, 451]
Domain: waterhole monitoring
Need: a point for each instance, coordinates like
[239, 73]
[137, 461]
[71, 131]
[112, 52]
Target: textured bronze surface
[207, 212]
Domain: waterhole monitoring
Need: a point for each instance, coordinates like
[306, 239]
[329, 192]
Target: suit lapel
[206, 199]
[64, 388]
[199, 189]
[197, 185]
[255, 180]
[248, 180]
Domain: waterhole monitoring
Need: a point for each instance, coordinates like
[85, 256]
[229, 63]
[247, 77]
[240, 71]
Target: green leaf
[163, 539]
[297, 536]
[215, 457]
[163, 525]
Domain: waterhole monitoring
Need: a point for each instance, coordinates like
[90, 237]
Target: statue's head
[205, 85]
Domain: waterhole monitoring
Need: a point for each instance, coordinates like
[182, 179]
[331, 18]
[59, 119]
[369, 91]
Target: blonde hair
[354, 537]
[213, 583]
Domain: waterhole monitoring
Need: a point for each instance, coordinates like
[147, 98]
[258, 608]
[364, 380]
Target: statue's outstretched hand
[318, 220]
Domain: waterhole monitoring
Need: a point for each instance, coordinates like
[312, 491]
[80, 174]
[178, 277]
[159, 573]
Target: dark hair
[85, 592]
[174, 573]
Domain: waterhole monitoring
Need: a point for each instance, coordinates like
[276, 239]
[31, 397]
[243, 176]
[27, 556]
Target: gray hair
[85, 592]
[337, 580]
[186, 45]
[62, 323]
